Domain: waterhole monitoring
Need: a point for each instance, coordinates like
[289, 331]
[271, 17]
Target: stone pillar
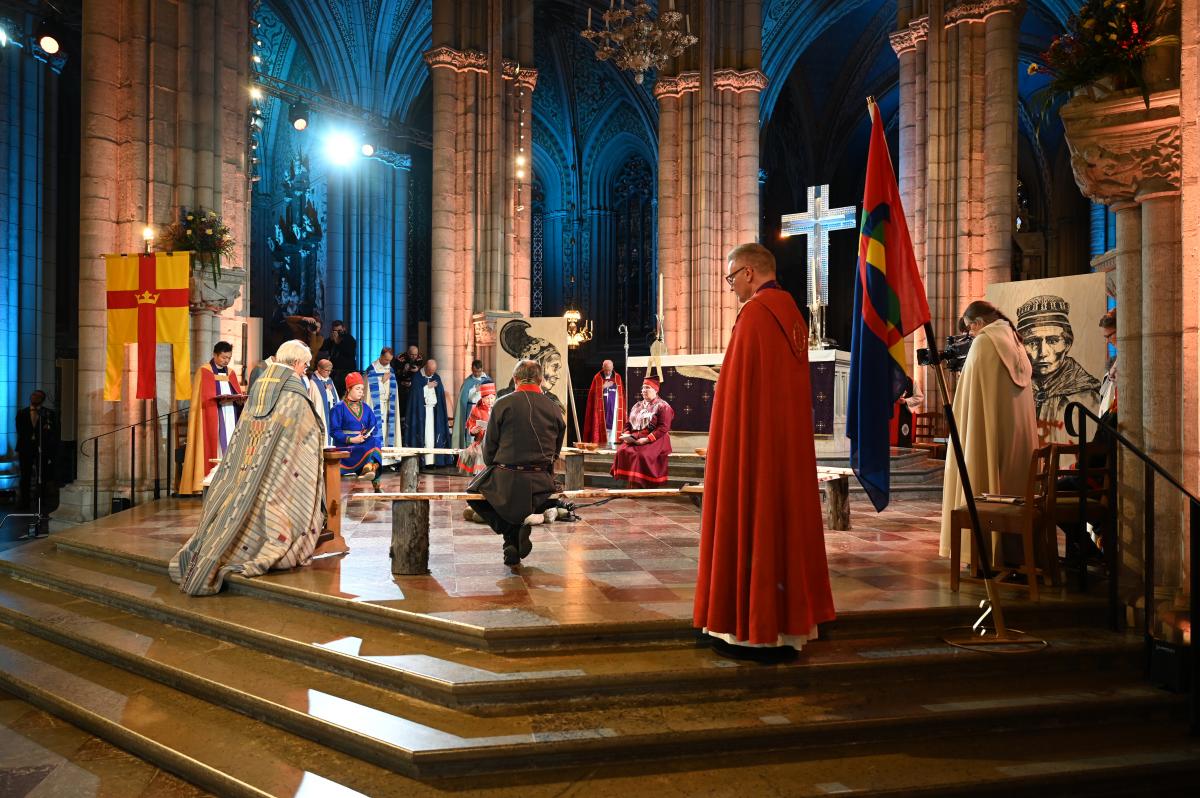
[1162, 391]
[164, 121]
[958, 149]
[483, 80]
[1189, 107]
[1128, 155]
[708, 196]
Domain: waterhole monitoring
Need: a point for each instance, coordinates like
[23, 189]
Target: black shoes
[511, 557]
[526, 543]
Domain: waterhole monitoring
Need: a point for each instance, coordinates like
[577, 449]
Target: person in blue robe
[425, 420]
[468, 395]
[354, 425]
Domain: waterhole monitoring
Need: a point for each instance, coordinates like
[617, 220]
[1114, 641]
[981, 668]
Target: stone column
[1189, 107]
[1000, 141]
[1129, 155]
[483, 79]
[164, 121]
[708, 195]
[1162, 392]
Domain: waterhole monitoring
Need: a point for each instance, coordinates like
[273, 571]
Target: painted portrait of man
[1058, 379]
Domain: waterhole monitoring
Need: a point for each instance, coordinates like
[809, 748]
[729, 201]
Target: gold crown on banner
[147, 298]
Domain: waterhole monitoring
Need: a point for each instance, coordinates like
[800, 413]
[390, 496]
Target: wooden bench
[409, 459]
[410, 519]
[836, 484]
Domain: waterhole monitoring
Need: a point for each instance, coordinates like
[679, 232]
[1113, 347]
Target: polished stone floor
[44, 757]
[626, 561]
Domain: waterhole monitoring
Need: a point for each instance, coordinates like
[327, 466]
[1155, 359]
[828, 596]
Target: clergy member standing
[355, 426]
[213, 413]
[646, 442]
[468, 395]
[327, 393]
[763, 581]
[264, 510]
[605, 406]
[470, 460]
[426, 419]
[995, 414]
[384, 394]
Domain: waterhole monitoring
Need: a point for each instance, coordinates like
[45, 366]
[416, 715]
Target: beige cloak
[993, 406]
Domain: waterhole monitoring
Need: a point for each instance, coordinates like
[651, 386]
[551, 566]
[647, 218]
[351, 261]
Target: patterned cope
[265, 508]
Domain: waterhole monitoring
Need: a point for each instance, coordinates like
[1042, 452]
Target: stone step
[506, 629]
[456, 676]
[422, 740]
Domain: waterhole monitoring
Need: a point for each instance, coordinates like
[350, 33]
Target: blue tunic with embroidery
[344, 425]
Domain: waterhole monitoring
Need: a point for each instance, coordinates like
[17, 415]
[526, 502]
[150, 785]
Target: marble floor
[43, 757]
[626, 561]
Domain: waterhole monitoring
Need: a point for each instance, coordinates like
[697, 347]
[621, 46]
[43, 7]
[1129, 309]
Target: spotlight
[520, 174]
[3, 38]
[340, 149]
[520, 160]
[368, 149]
[257, 59]
[48, 37]
[298, 115]
[255, 93]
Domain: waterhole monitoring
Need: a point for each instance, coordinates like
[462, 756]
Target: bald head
[607, 367]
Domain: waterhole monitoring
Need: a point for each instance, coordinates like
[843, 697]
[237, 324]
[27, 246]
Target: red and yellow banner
[147, 306]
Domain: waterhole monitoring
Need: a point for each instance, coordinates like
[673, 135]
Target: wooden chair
[1063, 502]
[1025, 516]
[926, 427]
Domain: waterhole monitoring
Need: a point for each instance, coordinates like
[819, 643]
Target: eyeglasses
[729, 278]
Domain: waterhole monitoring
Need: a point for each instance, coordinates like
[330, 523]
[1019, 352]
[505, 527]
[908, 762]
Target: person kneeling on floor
[524, 436]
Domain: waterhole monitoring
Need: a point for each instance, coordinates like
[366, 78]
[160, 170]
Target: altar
[688, 383]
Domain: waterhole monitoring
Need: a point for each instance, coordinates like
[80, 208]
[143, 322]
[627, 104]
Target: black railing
[133, 470]
[1150, 469]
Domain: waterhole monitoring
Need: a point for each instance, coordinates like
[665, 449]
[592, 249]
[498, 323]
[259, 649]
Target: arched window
[634, 216]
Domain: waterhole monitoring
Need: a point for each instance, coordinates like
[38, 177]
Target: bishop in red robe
[646, 442]
[605, 406]
[763, 580]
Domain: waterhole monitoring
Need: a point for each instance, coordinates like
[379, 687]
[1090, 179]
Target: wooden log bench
[410, 519]
[835, 482]
[409, 458]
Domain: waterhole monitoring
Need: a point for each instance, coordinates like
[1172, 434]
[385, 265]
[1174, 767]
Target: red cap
[352, 379]
[487, 389]
[652, 382]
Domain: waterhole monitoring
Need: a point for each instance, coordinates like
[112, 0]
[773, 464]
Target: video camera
[954, 355]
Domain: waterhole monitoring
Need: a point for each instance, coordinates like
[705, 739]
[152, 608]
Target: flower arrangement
[1105, 39]
[203, 232]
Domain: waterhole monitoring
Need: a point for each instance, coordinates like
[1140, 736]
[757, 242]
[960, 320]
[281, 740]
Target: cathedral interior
[409, 167]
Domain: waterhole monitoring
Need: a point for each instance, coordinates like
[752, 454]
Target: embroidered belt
[524, 468]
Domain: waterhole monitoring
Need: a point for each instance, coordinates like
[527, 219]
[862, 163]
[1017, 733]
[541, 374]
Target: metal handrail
[133, 428]
[1150, 468]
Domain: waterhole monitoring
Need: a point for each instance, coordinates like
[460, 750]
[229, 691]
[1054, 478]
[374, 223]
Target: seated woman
[642, 456]
[470, 461]
[352, 423]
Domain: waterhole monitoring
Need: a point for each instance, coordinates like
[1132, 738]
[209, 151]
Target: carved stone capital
[979, 10]
[1120, 149]
[476, 61]
[907, 38]
[458, 60]
[204, 297]
[676, 85]
[738, 82]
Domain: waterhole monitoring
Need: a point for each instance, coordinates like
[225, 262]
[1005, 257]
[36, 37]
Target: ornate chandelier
[578, 330]
[634, 40]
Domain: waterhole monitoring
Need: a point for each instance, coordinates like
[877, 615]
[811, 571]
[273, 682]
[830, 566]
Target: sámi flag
[889, 303]
[147, 306]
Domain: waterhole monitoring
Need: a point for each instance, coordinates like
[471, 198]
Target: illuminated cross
[816, 223]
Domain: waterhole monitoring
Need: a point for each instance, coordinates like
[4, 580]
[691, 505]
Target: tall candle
[688, 19]
[589, 17]
[660, 302]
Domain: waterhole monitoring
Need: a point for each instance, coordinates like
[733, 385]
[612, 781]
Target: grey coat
[525, 429]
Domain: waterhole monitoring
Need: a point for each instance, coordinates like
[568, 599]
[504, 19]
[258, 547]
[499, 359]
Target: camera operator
[993, 407]
[341, 350]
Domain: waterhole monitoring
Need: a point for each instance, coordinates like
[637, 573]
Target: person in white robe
[383, 393]
[994, 410]
[327, 393]
[468, 397]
